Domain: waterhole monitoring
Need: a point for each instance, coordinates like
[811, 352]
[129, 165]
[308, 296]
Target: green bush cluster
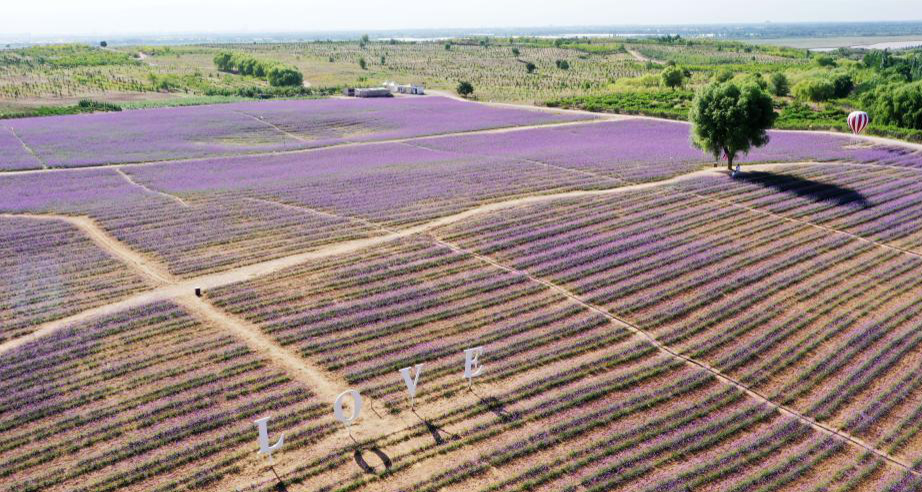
[84, 106]
[823, 89]
[897, 104]
[260, 92]
[275, 73]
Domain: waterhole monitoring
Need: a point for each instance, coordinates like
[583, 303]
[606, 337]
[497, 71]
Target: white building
[373, 92]
[411, 89]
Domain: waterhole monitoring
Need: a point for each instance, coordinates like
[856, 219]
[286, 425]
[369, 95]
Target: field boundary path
[132, 182]
[27, 148]
[136, 262]
[600, 118]
[641, 58]
[327, 386]
[321, 383]
[273, 126]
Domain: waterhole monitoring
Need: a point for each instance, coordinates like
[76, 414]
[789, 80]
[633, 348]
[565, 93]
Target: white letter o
[356, 410]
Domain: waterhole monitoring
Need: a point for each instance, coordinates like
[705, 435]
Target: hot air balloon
[858, 121]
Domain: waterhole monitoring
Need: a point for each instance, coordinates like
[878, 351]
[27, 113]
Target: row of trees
[275, 73]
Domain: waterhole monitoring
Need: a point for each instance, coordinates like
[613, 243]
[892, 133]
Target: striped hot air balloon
[858, 121]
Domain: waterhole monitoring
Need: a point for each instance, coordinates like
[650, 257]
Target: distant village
[388, 89]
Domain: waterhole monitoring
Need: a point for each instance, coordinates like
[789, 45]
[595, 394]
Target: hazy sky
[43, 17]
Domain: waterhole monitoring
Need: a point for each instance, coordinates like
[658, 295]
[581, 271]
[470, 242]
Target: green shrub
[780, 85]
[815, 90]
[465, 88]
[825, 61]
[672, 77]
[723, 76]
[279, 76]
[842, 85]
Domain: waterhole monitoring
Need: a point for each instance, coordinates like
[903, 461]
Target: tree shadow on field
[806, 188]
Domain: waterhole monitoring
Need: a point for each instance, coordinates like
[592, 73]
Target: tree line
[275, 73]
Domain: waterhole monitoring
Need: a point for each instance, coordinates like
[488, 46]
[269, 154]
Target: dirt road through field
[327, 386]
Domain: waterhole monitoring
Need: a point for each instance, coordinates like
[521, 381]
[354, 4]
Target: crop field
[188, 132]
[66, 273]
[647, 322]
[496, 69]
[147, 378]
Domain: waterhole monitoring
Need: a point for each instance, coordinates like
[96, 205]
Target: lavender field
[241, 128]
[648, 322]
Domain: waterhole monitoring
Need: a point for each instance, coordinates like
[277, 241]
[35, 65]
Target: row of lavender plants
[191, 236]
[564, 399]
[49, 270]
[146, 399]
[871, 201]
[819, 320]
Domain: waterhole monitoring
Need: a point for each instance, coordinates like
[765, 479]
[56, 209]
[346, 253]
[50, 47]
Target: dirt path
[859, 138]
[273, 126]
[600, 117]
[27, 148]
[529, 107]
[171, 288]
[146, 59]
[641, 58]
[325, 385]
[132, 182]
[144, 267]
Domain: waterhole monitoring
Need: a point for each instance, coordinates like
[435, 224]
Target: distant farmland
[648, 322]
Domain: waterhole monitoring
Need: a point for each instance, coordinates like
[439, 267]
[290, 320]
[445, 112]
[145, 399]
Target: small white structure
[373, 92]
[411, 89]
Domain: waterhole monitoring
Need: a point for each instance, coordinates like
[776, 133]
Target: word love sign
[472, 369]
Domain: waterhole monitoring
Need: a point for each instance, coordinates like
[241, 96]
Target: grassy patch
[660, 103]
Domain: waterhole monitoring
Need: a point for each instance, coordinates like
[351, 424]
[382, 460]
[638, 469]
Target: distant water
[888, 45]
[893, 45]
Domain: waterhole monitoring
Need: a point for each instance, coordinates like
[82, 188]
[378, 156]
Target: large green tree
[727, 119]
